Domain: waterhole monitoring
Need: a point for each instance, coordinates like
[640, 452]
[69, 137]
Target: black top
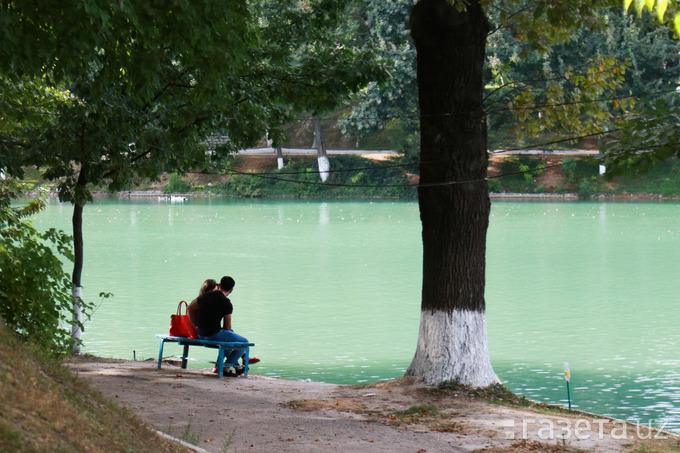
[213, 307]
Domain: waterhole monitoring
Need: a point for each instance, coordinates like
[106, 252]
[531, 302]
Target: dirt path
[262, 414]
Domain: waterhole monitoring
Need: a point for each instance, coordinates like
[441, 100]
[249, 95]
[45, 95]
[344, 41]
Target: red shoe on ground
[227, 372]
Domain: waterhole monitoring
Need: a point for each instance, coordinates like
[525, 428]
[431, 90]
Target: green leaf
[676, 24]
[649, 4]
[626, 4]
[661, 9]
[639, 5]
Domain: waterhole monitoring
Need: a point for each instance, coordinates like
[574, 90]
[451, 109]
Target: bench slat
[221, 345]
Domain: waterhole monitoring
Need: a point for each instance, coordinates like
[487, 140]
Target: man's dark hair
[227, 283]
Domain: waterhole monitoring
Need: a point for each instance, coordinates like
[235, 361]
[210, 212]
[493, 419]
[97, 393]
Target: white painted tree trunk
[279, 157]
[324, 167]
[451, 44]
[76, 331]
[322, 156]
[452, 346]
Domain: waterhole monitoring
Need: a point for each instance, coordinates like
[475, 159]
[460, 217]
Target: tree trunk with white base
[453, 346]
[322, 156]
[279, 157]
[76, 331]
[453, 194]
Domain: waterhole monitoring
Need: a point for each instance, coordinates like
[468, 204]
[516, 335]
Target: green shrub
[588, 187]
[662, 179]
[576, 169]
[177, 185]
[35, 291]
[494, 186]
[517, 174]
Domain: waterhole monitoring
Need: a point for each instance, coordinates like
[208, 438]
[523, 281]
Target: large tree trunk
[453, 194]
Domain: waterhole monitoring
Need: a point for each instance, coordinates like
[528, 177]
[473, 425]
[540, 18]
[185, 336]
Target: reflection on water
[331, 290]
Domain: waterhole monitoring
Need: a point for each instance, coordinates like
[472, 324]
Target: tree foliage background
[555, 74]
[35, 292]
[103, 93]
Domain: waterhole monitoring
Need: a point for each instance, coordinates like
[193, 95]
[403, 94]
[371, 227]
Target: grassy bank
[360, 177]
[45, 408]
[580, 176]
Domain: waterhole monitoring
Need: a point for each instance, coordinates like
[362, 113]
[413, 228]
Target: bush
[177, 185]
[517, 174]
[662, 179]
[35, 292]
[576, 169]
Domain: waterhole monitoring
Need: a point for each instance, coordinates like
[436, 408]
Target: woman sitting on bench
[208, 311]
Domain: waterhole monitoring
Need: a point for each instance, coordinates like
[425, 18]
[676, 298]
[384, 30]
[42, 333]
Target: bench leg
[246, 362]
[160, 354]
[185, 356]
[220, 362]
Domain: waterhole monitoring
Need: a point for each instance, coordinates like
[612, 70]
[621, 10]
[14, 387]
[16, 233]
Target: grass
[663, 179]
[497, 394]
[46, 408]
[190, 436]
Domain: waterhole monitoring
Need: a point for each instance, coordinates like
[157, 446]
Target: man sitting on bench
[207, 313]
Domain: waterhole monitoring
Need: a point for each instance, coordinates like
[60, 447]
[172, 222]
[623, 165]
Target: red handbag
[180, 325]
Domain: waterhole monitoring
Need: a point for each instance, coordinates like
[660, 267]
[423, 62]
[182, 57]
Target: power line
[276, 175]
[341, 170]
[381, 186]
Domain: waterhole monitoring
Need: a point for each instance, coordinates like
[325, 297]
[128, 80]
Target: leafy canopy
[151, 83]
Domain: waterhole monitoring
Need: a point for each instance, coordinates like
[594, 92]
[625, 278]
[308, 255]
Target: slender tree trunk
[76, 331]
[322, 156]
[77, 220]
[453, 194]
[279, 156]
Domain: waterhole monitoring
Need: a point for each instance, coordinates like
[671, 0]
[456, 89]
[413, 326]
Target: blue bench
[221, 345]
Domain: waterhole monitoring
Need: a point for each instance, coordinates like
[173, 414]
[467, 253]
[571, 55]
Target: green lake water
[330, 291]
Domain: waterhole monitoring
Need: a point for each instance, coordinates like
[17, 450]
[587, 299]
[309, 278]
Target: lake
[330, 290]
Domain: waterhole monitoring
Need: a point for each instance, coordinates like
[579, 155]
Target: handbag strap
[179, 307]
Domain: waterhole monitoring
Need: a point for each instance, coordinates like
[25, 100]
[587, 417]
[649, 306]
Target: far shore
[517, 196]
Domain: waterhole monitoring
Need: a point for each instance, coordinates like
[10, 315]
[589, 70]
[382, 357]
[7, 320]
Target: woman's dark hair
[207, 286]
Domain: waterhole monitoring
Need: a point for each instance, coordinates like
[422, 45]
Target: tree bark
[76, 331]
[279, 157]
[453, 194]
[77, 221]
[322, 156]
